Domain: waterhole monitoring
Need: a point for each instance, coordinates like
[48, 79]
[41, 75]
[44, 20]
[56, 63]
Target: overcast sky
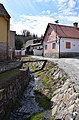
[34, 15]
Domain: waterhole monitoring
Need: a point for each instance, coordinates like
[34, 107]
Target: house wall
[4, 36]
[72, 51]
[38, 52]
[3, 29]
[12, 40]
[49, 39]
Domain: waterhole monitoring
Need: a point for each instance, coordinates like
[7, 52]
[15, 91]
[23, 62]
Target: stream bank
[61, 89]
[56, 87]
[28, 105]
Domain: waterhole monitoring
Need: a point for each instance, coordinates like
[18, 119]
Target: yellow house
[4, 32]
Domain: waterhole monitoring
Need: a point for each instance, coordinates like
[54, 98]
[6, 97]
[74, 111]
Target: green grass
[27, 57]
[34, 68]
[43, 100]
[45, 79]
[4, 77]
[37, 116]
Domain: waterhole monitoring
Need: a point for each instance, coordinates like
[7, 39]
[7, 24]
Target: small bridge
[45, 61]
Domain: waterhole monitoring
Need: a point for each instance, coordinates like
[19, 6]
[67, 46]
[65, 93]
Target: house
[34, 47]
[4, 32]
[12, 44]
[37, 49]
[61, 40]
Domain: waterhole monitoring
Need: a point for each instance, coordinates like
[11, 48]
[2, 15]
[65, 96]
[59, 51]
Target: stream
[28, 104]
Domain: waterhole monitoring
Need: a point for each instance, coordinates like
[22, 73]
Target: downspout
[59, 47]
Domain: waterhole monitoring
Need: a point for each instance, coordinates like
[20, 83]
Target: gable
[3, 11]
[65, 31]
[60, 31]
[50, 35]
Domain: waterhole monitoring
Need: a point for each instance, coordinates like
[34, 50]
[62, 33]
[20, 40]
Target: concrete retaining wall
[8, 66]
[10, 91]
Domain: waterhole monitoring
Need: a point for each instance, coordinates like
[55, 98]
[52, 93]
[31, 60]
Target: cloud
[67, 19]
[71, 3]
[35, 24]
[66, 7]
[42, 0]
[66, 12]
[46, 12]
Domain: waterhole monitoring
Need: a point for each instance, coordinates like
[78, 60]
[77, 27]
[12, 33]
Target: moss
[44, 79]
[12, 107]
[34, 68]
[4, 77]
[43, 100]
[26, 57]
[37, 116]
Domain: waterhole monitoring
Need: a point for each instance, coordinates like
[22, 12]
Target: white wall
[37, 52]
[23, 52]
[17, 52]
[20, 52]
[74, 45]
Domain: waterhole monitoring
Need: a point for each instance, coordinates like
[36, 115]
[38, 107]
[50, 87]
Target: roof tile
[65, 31]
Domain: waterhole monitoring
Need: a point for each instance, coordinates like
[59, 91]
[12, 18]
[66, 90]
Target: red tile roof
[65, 31]
[3, 11]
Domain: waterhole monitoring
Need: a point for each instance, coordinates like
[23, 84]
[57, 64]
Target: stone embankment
[63, 92]
[12, 89]
[8, 66]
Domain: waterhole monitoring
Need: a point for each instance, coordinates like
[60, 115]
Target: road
[70, 66]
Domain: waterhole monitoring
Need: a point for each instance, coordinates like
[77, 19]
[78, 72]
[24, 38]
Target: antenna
[57, 21]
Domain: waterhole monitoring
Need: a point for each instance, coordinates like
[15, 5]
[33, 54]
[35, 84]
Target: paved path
[70, 65]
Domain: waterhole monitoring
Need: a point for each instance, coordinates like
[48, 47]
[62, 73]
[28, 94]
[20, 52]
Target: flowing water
[28, 104]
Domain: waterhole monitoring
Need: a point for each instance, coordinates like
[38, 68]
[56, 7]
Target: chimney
[75, 24]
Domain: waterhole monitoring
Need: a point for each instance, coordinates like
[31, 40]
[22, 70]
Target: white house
[34, 47]
[61, 40]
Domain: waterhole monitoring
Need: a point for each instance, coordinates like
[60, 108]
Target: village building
[34, 47]
[12, 44]
[4, 33]
[61, 41]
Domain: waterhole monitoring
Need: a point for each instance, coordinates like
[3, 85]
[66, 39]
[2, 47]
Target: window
[53, 45]
[45, 47]
[67, 45]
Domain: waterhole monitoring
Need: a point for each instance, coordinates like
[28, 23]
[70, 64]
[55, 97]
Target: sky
[34, 15]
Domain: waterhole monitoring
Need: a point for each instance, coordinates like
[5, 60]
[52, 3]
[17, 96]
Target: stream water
[28, 104]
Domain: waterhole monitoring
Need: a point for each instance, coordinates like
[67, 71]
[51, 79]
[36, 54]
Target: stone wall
[52, 55]
[8, 66]
[69, 54]
[10, 91]
[65, 93]
[62, 55]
